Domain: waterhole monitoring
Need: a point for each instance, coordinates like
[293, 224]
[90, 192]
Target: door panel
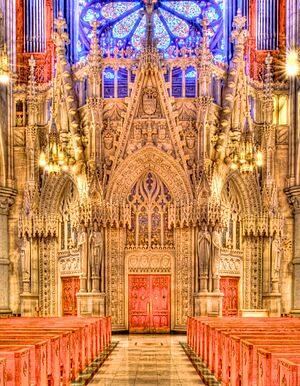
[230, 287]
[160, 304]
[139, 297]
[149, 303]
[70, 287]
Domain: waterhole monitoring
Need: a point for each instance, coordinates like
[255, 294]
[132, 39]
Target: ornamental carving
[149, 263]
[69, 265]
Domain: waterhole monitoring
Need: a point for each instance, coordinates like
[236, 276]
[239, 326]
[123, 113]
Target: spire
[149, 53]
[268, 90]
[95, 57]
[31, 93]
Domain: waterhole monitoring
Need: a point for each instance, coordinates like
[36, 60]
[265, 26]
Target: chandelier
[53, 160]
[245, 156]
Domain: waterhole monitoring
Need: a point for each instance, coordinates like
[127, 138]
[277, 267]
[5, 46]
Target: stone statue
[276, 257]
[216, 246]
[96, 248]
[25, 264]
[216, 252]
[203, 255]
[82, 245]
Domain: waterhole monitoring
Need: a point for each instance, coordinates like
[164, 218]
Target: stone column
[293, 194]
[6, 200]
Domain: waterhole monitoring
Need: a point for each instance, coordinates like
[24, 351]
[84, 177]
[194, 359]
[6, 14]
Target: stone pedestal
[90, 304]
[29, 304]
[6, 200]
[254, 313]
[272, 302]
[293, 194]
[208, 304]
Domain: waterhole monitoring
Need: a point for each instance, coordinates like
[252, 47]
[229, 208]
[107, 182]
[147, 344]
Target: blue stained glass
[112, 11]
[177, 26]
[108, 74]
[191, 74]
[161, 34]
[139, 33]
[123, 27]
[188, 9]
[177, 23]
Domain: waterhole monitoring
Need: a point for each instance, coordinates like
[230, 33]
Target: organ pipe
[34, 26]
[267, 25]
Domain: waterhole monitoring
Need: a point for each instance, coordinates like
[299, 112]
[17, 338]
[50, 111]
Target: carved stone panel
[183, 276]
[116, 276]
[149, 262]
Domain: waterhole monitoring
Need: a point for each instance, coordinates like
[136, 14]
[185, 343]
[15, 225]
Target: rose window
[176, 24]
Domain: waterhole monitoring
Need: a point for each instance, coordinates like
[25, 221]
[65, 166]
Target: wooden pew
[17, 365]
[2, 371]
[289, 372]
[220, 344]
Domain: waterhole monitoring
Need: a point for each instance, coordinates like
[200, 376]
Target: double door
[149, 303]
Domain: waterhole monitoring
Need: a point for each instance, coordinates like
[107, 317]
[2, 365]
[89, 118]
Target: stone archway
[50, 244]
[154, 162]
[242, 253]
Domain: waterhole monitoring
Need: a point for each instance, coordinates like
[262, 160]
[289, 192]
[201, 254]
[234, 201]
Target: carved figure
[216, 245]
[82, 245]
[96, 245]
[203, 254]
[276, 257]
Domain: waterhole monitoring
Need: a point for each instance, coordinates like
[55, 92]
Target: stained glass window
[176, 23]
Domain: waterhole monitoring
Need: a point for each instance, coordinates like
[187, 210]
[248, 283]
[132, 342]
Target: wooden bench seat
[17, 365]
[58, 349]
[231, 347]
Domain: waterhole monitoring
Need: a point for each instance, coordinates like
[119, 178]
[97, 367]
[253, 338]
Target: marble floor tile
[147, 360]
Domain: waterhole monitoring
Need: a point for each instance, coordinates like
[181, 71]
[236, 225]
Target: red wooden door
[70, 287]
[230, 287]
[149, 303]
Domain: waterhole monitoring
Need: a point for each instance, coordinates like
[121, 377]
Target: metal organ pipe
[34, 26]
[267, 25]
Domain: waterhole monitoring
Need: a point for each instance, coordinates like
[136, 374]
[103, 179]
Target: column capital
[293, 196]
[7, 198]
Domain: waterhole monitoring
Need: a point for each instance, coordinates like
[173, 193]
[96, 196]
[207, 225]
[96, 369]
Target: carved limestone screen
[149, 199]
[67, 235]
[231, 237]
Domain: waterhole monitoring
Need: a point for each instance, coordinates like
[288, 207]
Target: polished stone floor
[147, 360]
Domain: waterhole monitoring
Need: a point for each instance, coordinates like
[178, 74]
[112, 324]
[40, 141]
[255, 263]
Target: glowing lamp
[42, 161]
[259, 159]
[61, 158]
[4, 77]
[233, 166]
[292, 64]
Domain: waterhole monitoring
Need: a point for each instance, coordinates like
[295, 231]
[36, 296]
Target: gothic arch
[52, 192]
[247, 190]
[149, 158]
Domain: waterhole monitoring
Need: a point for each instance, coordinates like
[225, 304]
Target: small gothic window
[122, 83]
[177, 82]
[109, 82]
[19, 113]
[190, 82]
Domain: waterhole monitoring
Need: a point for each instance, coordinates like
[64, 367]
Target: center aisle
[147, 360]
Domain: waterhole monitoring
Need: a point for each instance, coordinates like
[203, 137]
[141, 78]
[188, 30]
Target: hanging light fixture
[246, 157]
[53, 161]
